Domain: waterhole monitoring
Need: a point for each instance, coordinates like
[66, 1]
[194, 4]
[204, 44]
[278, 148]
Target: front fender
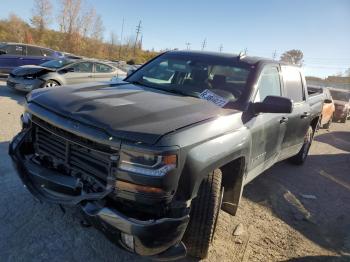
[210, 155]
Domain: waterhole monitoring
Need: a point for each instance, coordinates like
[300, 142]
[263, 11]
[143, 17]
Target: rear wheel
[203, 217]
[300, 158]
[50, 83]
[343, 120]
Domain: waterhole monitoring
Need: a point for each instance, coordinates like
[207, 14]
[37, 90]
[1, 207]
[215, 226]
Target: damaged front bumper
[160, 238]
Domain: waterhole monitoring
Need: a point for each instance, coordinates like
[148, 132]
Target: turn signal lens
[170, 160]
[122, 185]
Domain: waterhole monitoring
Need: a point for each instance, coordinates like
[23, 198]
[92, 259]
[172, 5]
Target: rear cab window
[293, 84]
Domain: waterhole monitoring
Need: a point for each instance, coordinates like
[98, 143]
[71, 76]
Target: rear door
[12, 58]
[34, 56]
[267, 129]
[81, 73]
[299, 120]
[103, 72]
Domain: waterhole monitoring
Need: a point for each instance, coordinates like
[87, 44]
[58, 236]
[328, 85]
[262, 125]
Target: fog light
[128, 240]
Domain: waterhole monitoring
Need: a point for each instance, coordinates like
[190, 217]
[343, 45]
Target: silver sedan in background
[61, 72]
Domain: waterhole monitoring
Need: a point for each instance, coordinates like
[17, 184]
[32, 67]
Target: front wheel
[50, 83]
[203, 216]
[300, 158]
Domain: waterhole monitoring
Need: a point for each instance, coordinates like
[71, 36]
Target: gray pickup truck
[152, 159]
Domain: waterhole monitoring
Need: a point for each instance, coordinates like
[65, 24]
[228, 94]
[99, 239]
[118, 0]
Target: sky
[320, 28]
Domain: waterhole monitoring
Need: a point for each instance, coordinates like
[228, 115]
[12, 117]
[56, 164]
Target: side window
[269, 84]
[84, 67]
[15, 50]
[33, 51]
[293, 84]
[46, 52]
[101, 68]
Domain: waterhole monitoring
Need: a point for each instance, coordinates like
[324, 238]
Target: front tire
[50, 83]
[203, 217]
[300, 158]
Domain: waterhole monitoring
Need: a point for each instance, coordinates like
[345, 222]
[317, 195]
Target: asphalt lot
[280, 223]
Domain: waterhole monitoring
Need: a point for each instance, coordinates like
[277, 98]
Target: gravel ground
[280, 221]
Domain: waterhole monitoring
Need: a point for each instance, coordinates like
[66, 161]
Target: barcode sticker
[214, 98]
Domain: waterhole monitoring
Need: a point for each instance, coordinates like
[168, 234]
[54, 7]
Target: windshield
[342, 96]
[192, 76]
[56, 63]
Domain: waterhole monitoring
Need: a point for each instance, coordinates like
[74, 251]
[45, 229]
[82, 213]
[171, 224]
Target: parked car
[341, 99]
[13, 55]
[151, 160]
[328, 105]
[60, 72]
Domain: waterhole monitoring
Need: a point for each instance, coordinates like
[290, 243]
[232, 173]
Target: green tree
[293, 56]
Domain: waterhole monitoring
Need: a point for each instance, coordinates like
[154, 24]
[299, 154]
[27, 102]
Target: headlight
[147, 163]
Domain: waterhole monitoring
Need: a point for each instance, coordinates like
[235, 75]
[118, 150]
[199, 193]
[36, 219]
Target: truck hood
[31, 70]
[127, 111]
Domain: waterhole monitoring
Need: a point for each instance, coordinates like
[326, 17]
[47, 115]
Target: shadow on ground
[337, 139]
[324, 220]
[17, 96]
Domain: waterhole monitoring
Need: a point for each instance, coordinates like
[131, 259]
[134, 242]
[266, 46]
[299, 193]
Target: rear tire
[203, 217]
[300, 158]
[343, 120]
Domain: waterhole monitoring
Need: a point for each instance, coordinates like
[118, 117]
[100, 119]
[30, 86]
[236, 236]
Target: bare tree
[17, 28]
[42, 13]
[97, 28]
[69, 16]
[293, 56]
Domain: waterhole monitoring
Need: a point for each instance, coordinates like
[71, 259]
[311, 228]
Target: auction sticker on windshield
[214, 98]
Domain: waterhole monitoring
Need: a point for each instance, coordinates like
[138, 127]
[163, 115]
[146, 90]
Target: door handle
[305, 115]
[283, 120]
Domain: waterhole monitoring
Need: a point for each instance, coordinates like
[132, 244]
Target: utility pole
[188, 45]
[138, 31]
[220, 48]
[204, 43]
[121, 40]
[274, 55]
[141, 40]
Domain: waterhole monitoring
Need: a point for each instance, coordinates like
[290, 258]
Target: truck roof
[252, 60]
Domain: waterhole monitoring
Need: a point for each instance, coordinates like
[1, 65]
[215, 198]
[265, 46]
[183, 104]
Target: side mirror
[131, 71]
[67, 70]
[274, 104]
[328, 101]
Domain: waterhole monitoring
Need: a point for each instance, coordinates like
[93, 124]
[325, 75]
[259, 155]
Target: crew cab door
[267, 129]
[299, 120]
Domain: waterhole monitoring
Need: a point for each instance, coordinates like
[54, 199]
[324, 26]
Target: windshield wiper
[181, 92]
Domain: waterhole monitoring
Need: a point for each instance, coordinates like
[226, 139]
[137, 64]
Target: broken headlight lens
[147, 163]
